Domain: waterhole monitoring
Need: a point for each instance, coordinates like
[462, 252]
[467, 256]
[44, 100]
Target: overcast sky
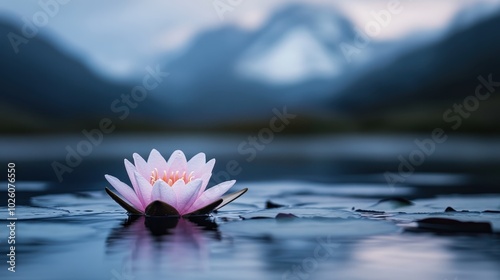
[118, 35]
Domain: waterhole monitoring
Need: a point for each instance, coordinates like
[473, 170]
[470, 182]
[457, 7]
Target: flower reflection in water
[160, 243]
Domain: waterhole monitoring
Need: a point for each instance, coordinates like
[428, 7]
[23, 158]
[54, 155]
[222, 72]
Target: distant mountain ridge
[225, 78]
[214, 73]
[53, 87]
[445, 70]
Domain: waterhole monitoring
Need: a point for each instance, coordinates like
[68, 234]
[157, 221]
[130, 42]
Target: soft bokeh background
[361, 118]
[363, 80]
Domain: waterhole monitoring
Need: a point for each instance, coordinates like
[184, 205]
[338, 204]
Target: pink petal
[211, 195]
[156, 160]
[196, 163]
[177, 162]
[205, 178]
[208, 167]
[142, 166]
[204, 172]
[130, 172]
[144, 188]
[186, 194]
[125, 191]
[163, 192]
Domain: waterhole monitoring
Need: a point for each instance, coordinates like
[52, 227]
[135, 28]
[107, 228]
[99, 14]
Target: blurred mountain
[44, 88]
[297, 44]
[230, 75]
[233, 78]
[435, 75]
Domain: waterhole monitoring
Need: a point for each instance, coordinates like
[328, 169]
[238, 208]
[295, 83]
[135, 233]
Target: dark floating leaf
[285, 216]
[369, 211]
[395, 202]
[160, 208]
[450, 209]
[271, 205]
[444, 225]
[122, 203]
[229, 198]
[32, 212]
[256, 218]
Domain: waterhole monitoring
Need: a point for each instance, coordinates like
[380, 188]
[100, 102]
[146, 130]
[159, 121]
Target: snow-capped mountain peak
[296, 57]
[298, 44]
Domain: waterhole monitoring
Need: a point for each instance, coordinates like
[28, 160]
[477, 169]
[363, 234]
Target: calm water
[72, 230]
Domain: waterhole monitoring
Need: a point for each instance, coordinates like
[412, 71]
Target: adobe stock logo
[31, 26]
[223, 6]
[121, 107]
[323, 251]
[255, 143]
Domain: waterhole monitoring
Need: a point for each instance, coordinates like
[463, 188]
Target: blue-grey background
[380, 72]
[320, 107]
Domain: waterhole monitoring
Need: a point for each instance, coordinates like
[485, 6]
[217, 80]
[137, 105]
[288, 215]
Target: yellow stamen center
[171, 178]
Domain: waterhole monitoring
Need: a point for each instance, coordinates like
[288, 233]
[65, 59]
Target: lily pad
[444, 225]
[23, 212]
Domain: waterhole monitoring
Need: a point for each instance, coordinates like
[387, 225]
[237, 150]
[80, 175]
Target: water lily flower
[175, 187]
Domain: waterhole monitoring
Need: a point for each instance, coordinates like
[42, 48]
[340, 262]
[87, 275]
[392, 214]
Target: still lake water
[332, 185]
